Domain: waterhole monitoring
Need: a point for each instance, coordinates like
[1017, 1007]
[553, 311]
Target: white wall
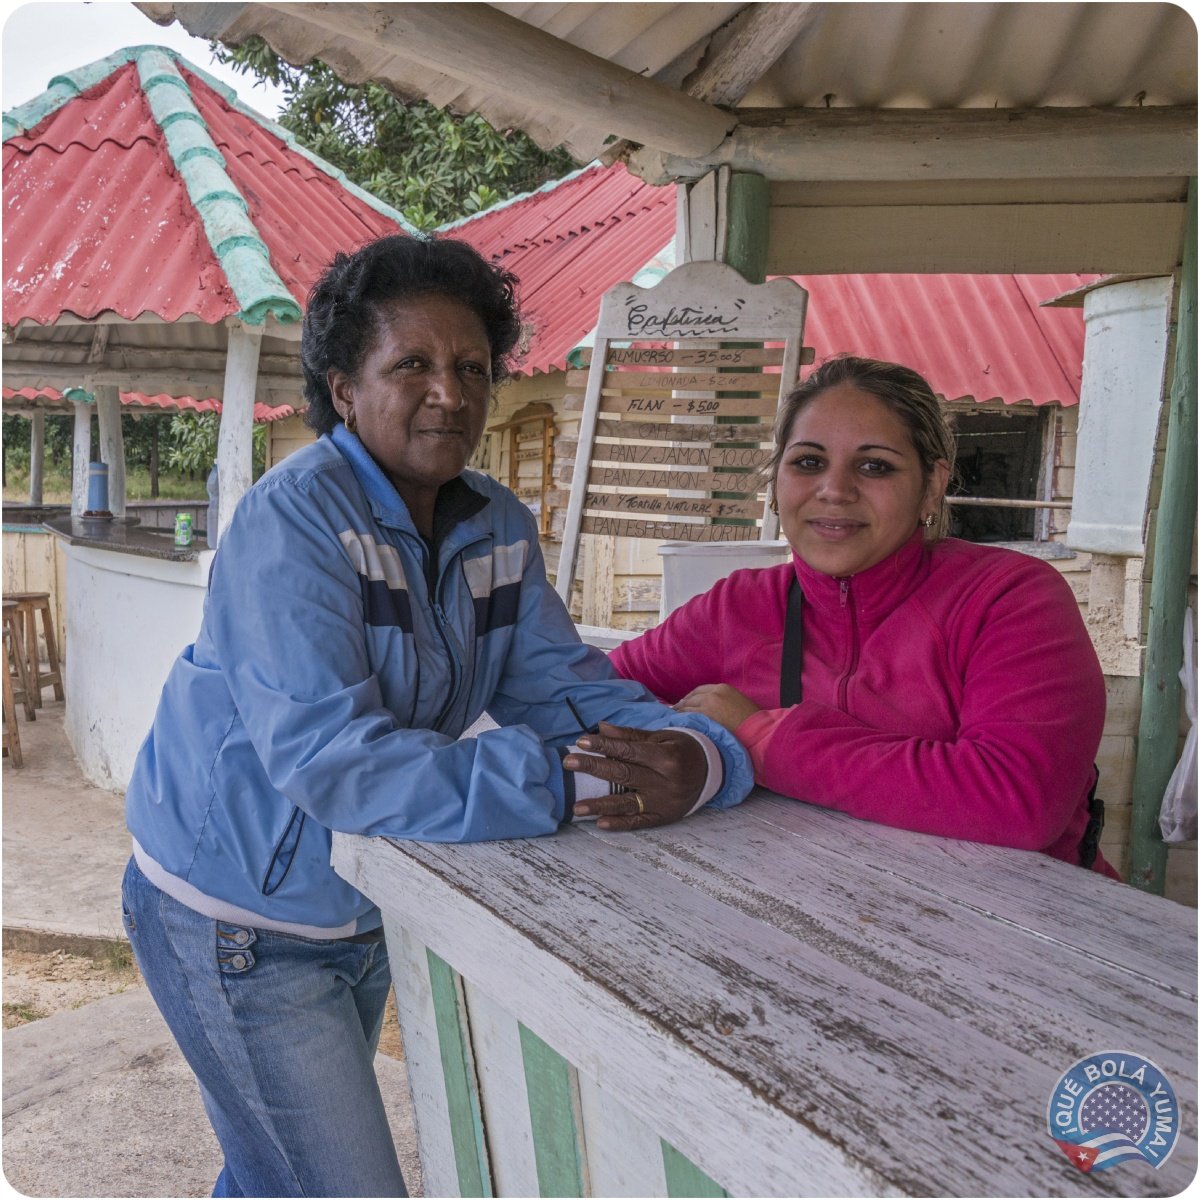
[128, 617]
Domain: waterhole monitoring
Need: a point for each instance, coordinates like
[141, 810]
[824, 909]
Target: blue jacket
[334, 671]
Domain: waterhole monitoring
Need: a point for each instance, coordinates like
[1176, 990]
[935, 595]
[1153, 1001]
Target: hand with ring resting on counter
[663, 772]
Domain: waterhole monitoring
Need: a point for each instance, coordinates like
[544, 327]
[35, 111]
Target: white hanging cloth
[1177, 818]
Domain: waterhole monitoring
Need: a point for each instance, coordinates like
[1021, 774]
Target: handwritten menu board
[657, 456]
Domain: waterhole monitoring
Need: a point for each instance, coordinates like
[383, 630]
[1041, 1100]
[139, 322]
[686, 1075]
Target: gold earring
[351, 421]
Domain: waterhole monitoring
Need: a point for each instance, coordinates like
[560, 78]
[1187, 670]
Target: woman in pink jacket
[945, 687]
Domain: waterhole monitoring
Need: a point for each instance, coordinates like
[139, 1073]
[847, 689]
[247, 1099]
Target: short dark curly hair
[344, 306]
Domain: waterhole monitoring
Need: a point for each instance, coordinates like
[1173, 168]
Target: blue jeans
[280, 1031]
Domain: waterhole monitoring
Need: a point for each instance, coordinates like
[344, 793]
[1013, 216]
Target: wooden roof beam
[205, 383]
[961, 143]
[123, 356]
[99, 343]
[746, 48]
[735, 57]
[480, 45]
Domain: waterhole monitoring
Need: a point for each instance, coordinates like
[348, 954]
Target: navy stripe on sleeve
[383, 605]
[498, 609]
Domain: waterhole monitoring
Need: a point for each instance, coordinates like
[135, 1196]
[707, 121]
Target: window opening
[997, 495]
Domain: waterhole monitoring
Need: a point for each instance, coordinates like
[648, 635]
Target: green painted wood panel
[462, 1091]
[553, 1115]
[1174, 535]
[749, 219]
[684, 1178]
[749, 206]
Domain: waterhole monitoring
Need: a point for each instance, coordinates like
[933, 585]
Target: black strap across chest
[790, 686]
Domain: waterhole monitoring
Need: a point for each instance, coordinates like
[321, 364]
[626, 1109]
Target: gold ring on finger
[641, 808]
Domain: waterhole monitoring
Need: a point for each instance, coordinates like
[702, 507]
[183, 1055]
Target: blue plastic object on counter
[97, 490]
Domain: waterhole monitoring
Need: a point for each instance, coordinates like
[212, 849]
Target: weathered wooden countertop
[806, 1004]
[124, 536]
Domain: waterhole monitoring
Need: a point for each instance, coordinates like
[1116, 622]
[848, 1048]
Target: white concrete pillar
[1120, 403]
[235, 445]
[82, 454]
[112, 444]
[37, 454]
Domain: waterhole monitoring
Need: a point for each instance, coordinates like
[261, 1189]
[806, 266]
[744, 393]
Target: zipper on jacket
[457, 670]
[435, 586]
[852, 664]
[428, 567]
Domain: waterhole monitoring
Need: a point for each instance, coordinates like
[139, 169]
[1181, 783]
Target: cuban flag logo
[1111, 1108]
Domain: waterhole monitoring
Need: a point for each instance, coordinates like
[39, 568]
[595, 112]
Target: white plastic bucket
[690, 568]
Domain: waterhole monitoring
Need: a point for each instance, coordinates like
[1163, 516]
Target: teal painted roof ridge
[289, 139]
[66, 87]
[62, 89]
[548, 186]
[235, 241]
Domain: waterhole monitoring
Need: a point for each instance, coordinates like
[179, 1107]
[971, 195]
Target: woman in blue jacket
[371, 598]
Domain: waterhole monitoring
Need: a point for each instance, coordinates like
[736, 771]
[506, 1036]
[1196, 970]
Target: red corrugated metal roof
[978, 336]
[98, 217]
[262, 412]
[568, 244]
[304, 215]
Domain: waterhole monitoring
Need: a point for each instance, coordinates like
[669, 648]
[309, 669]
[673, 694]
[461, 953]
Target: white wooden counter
[772, 1001]
[128, 615]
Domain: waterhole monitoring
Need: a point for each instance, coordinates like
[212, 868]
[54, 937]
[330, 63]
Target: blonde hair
[905, 392]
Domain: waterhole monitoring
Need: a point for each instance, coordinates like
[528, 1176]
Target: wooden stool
[31, 604]
[16, 665]
[12, 737]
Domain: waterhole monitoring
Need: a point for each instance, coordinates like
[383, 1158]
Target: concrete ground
[98, 1101]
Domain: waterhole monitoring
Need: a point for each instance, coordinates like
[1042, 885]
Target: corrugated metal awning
[139, 185]
[980, 337]
[577, 74]
[24, 401]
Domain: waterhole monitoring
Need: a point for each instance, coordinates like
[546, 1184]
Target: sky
[46, 39]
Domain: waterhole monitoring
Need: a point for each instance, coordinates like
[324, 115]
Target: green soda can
[183, 529]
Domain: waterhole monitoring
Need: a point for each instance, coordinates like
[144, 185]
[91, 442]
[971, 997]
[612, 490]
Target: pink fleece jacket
[951, 690]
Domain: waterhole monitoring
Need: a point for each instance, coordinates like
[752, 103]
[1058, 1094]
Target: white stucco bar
[129, 614]
[777, 1000]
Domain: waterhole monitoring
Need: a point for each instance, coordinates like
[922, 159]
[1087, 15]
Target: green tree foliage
[16, 444]
[433, 166]
[16, 436]
[138, 434]
[191, 443]
[187, 442]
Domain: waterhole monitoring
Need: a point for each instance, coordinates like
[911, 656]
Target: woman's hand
[719, 702]
[664, 771]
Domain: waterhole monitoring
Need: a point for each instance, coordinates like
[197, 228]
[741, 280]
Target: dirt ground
[38, 985]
